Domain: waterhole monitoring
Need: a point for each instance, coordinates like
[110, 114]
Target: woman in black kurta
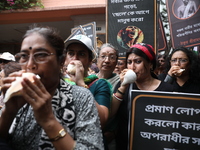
[141, 59]
[183, 71]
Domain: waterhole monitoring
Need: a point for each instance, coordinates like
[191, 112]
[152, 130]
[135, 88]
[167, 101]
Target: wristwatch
[61, 134]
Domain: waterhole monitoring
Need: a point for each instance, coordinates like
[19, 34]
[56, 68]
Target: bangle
[60, 135]
[118, 98]
[86, 86]
[120, 92]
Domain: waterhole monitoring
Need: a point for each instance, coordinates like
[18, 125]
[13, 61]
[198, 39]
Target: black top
[123, 114]
[189, 86]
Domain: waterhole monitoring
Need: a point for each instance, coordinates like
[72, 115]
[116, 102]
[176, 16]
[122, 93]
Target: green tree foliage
[20, 4]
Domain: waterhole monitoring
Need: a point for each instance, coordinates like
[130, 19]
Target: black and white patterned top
[74, 108]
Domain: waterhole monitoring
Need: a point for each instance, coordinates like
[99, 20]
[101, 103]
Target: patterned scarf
[89, 79]
[27, 134]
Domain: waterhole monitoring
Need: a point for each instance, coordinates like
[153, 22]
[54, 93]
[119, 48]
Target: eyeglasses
[39, 57]
[182, 61]
[112, 58]
[4, 61]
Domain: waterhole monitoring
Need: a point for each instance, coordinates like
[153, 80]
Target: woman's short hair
[111, 46]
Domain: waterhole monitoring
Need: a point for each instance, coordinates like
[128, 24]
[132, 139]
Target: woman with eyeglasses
[49, 113]
[106, 62]
[183, 71]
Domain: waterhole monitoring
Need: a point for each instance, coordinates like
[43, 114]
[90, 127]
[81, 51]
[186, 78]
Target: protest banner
[129, 22]
[164, 120]
[184, 22]
[89, 30]
[76, 31]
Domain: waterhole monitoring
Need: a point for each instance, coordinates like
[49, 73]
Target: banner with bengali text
[130, 22]
[184, 21]
[164, 120]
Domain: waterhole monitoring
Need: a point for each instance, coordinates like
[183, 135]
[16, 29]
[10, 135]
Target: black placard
[131, 18]
[184, 30]
[89, 30]
[164, 121]
[75, 31]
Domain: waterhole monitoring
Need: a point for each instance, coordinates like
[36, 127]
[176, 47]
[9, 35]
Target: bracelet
[60, 135]
[118, 98]
[120, 92]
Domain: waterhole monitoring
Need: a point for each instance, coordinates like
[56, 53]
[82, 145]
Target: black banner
[89, 30]
[163, 120]
[75, 31]
[184, 22]
[130, 22]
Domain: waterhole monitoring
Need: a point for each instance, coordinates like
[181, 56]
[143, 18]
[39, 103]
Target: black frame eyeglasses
[181, 60]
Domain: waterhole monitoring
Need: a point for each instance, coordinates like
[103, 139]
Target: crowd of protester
[89, 107]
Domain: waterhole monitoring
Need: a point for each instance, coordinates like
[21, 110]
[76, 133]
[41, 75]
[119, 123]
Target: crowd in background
[87, 108]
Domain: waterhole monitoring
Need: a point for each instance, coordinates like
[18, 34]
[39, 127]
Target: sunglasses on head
[4, 61]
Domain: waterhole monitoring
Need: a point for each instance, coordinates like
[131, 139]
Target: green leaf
[21, 4]
[32, 4]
